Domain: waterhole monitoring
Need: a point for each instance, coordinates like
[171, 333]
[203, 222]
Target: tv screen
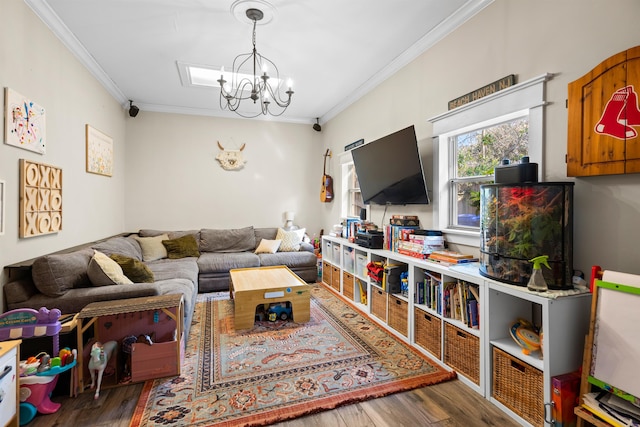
[390, 170]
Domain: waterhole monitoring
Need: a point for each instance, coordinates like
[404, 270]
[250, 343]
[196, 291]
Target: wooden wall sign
[496, 86]
[40, 199]
[604, 118]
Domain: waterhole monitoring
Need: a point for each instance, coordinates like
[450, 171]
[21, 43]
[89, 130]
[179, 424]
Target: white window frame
[346, 162]
[529, 95]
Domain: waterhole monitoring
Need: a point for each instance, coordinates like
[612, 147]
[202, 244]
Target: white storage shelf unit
[500, 306]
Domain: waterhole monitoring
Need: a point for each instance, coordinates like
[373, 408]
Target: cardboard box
[564, 395]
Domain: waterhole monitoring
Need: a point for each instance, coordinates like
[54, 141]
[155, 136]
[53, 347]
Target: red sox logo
[620, 113]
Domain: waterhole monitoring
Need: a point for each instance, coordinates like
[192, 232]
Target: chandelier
[246, 82]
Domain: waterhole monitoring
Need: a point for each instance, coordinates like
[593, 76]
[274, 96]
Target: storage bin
[428, 332]
[335, 256]
[154, 361]
[327, 251]
[398, 314]
[361, 265]
[348, 259]
[518, 386]
[379, 303]
[348, 283]
[462, 352]
[335, 277]
[326, 273]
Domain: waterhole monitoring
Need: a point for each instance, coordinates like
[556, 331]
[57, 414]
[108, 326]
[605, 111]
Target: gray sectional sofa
[65, 280]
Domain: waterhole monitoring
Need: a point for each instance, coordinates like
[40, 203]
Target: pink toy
[99, 357]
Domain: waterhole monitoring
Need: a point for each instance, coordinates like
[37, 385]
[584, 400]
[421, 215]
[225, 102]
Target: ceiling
[335, 51]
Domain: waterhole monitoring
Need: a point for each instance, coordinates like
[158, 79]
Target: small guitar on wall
[326, 194]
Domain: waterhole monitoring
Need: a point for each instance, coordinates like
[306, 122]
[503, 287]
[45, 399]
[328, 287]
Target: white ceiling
[334, 50]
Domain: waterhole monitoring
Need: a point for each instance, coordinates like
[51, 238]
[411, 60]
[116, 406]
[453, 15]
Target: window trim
[529, 95]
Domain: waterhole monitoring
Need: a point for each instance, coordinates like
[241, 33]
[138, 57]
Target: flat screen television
[390, 170]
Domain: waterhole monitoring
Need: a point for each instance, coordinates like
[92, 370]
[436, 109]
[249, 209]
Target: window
[351, 196]
[471, 140]
[474, 155]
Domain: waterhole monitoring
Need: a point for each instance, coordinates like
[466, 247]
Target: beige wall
[527, 38]
[175, 182]
[37, 65]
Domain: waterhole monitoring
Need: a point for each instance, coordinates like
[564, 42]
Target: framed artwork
[40, 199]
[99, 152]
[3, 186]
[24, 122]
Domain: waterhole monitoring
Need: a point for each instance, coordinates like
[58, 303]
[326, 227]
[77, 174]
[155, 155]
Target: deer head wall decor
[230, 159]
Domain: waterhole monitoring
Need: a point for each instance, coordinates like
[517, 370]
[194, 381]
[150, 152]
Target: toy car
[281, 310]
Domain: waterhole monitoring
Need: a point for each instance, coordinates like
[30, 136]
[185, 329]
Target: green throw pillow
[182, 247]
[134, 269]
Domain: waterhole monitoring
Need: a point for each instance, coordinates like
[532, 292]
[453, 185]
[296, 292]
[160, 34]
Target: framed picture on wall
[2, 202]
[99, 152]
[24, 122]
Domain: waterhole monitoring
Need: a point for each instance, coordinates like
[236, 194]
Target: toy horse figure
[99, 357]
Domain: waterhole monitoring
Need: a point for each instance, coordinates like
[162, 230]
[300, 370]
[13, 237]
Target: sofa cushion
[103, 271]
[127, 246]
[230, 240]
[291, 240]
[134, 269]
[152, 247]
[212, 262]
[166, 269]
[182, 247]
[55, 274]
[146, 232]
[268, 246]
[268, 233]
[290, 259]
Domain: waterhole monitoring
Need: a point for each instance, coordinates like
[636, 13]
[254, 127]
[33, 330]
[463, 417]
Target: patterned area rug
[281, 370]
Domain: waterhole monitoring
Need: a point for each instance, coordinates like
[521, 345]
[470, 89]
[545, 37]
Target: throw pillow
[182, 247]
[134, 269]
[103, 271]
[152, 247]
[291, 240]
[268, 246]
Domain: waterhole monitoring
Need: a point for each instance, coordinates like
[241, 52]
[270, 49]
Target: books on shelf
[428, 292]
[461, 301]
[447, 257]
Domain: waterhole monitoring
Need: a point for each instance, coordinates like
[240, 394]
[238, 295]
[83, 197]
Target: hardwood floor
[448, 404]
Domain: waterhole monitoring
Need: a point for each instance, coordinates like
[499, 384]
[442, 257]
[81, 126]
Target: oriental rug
[281, 370]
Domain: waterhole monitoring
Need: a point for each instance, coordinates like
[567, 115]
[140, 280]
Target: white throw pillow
[268, 246]
[103, 271]
[152, 247]
[291, 240]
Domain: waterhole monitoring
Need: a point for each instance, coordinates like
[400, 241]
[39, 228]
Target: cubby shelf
[444, 339]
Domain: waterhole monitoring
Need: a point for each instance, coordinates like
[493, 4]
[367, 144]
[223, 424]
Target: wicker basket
[428, 331]
[518, 386]
[398, 314]
[335, 277]
[379, 303]
[347, 285]
[326, 273]
[462, 352]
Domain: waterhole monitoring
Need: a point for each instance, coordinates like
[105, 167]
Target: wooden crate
[379, 303]
[398, 314]
[348, 283]
[518, 386]
[335, 277]
[428, 332]
[462, 352]
[326, 273]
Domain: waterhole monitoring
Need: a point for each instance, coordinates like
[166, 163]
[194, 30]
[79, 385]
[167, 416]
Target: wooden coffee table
[264, 285]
